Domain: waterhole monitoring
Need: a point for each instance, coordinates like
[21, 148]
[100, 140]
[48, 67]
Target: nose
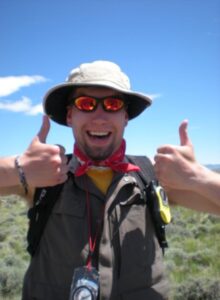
[99, 115]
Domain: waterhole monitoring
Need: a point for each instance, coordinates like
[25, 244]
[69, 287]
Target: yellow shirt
[101, 177]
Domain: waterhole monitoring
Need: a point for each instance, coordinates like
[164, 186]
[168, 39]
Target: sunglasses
[89, 104]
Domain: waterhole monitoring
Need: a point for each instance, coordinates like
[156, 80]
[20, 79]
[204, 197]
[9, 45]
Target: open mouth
[98, 134]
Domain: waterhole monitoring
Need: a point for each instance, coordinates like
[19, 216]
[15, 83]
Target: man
[100, 232]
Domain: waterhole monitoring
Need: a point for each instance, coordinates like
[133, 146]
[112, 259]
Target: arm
[42, 164]
[187, 182]
[193, 200]
[8, 174]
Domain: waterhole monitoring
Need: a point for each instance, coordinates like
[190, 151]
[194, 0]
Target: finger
[63, 178]
[64, 159]
[166, 149]
[44, 130]
[184, 138]
[62, 150]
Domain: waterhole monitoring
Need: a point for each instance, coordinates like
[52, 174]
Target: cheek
[69, 117]
[125, 119]
[121, 122]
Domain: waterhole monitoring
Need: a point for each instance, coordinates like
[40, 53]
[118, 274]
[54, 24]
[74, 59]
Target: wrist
[21, 174]
[200, 178]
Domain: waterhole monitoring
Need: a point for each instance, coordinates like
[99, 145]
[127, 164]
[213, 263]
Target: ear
[126, 118]
[69, 116]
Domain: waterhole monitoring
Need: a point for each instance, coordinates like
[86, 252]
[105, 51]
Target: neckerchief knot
[115, 161]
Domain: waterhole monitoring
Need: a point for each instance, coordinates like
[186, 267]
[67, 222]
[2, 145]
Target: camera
[85, 284]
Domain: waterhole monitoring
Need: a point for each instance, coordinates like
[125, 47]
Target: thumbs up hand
[44, 164]
[44, 130]
[175, 165]
[186, 146]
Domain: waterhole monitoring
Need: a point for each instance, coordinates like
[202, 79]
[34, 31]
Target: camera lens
[82, 293]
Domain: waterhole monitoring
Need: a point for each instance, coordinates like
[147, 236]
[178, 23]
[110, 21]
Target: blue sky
[170, 49]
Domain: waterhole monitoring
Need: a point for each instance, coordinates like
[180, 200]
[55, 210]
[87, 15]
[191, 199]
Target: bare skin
[43, 165]
[187, 182]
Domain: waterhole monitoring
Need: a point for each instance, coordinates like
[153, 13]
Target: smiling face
[98, 134]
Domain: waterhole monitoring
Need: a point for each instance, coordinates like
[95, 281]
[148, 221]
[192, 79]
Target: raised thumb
[44, 130]
[184, 138]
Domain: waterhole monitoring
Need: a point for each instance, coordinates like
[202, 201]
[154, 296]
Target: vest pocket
[138, 248]
[71, 203]
[67, 230]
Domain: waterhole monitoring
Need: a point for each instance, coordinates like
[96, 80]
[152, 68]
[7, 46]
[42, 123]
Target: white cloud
[12, 84]
[154, 96]
[24, 105]
[35, 110]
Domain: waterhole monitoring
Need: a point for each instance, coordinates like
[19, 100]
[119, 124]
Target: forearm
[8, 173]
[192, 177]
[193, 200]
[10, 182]
[206, 183]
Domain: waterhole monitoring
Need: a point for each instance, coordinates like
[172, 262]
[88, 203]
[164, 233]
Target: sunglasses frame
[101, 101]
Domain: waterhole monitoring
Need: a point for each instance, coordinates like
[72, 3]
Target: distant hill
[214, 167]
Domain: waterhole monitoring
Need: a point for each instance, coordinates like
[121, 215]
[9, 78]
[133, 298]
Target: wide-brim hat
[95, 74]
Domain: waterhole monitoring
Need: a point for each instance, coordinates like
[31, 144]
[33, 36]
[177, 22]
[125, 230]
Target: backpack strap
[147, 181]
[146, 172]
[43, 203]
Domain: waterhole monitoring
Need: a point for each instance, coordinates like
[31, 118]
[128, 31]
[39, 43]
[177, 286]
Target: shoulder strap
[43, 203]
[147, 179]
[146, 172]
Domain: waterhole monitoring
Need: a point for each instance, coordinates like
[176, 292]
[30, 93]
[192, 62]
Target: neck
[118, 155]
[115, 161]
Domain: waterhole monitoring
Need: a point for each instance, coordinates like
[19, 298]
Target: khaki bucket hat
[95, 74]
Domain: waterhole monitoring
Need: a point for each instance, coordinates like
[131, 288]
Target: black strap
[146, 172]
[43, 203]
[145, 177]
[38, 215]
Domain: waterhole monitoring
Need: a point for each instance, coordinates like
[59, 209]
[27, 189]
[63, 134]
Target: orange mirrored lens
[85, 103]
[113, 104]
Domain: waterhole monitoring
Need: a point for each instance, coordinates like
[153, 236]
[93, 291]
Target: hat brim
[56, 100]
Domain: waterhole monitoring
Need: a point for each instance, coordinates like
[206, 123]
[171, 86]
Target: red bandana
[115, 162]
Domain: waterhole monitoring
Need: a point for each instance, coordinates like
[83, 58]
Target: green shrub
[13, 256]
[198, 289]
[11, 276]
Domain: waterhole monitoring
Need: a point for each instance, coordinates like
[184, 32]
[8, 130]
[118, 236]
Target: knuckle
[54, 165]
[60, 149]
[61, 178]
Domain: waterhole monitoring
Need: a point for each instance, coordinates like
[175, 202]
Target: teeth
[98, 133]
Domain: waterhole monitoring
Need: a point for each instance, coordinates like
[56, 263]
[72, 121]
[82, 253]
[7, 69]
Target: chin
[99, 153]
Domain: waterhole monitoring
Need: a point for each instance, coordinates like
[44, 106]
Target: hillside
[192, 260]
[13, 256]
[214, 167]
